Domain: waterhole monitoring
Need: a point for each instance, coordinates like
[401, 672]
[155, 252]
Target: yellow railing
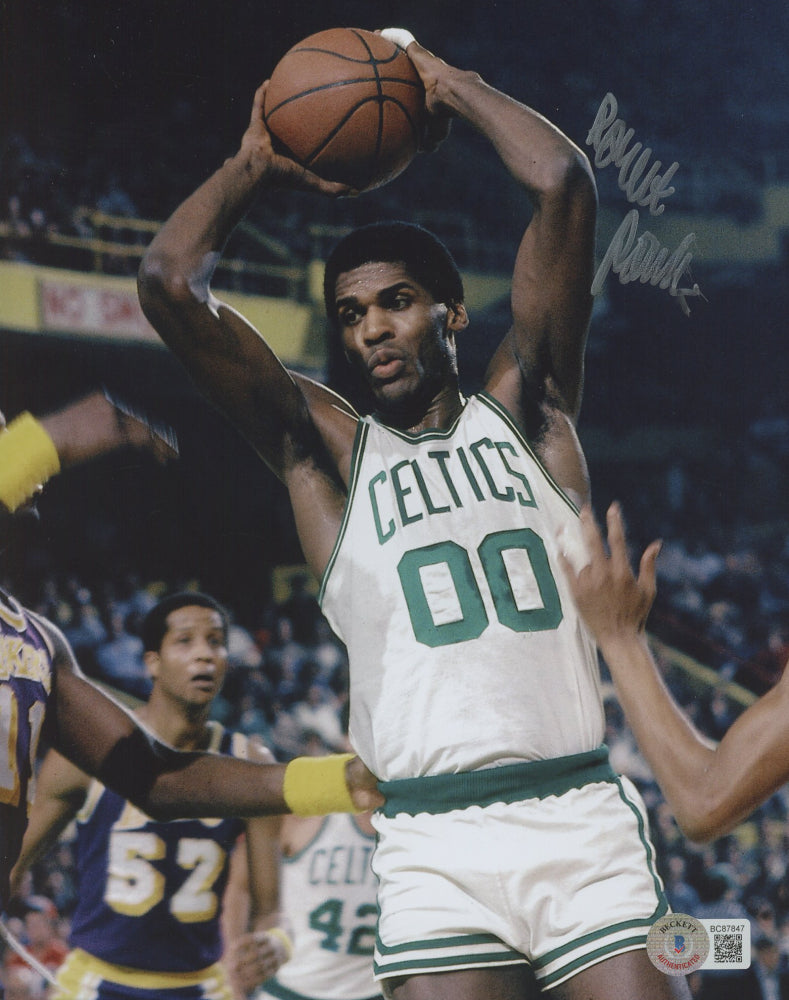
[700, 676]
[113, 239]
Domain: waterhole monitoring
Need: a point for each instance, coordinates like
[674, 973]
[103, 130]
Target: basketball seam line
[342, 83]
[372, 61]
[307, 160]
[380, 132]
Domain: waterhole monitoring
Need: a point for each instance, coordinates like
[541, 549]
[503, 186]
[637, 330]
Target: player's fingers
[592, 537]
[647, 569]
[569, 574]
[331, 188]
[401, 37]
[617, 542]
[258, 100]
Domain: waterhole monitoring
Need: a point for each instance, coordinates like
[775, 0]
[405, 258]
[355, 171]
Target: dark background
[153, 95]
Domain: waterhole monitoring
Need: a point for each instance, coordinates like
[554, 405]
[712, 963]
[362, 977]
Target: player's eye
[398, 301]
[349, 317]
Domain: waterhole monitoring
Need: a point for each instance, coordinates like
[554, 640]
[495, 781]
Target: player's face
[191, 663]
[395, 333]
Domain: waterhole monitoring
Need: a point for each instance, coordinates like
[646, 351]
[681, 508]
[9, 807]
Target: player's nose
[206, 651]
[376, 325]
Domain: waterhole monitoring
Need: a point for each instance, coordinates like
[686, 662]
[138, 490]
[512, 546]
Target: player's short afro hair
[425, 257]
[154, 626]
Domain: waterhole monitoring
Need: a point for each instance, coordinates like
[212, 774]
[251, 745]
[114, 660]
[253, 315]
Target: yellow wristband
[284, 939]
[28, 458]
[315, 786]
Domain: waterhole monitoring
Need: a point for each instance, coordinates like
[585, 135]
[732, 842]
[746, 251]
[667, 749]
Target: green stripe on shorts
[439, 954]
[440, 793]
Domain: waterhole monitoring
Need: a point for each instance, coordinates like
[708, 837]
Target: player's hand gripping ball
[349, 105]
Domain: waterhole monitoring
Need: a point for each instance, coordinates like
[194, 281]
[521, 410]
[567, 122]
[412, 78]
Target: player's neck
[175, 724]
[415, 416]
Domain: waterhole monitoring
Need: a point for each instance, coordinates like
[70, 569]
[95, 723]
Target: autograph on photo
[630, 256]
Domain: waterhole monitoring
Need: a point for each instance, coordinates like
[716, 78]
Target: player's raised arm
[226, 356]
[710, 788]
[551, 298]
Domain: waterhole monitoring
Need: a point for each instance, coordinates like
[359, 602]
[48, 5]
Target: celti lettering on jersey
[486, 470]
[341, 865]
[328, 896]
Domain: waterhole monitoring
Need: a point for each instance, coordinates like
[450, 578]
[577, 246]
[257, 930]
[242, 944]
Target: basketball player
[43, 693]
[327, 904]
[148, 910]
[507, 841]
[324, 895]
[710, 788]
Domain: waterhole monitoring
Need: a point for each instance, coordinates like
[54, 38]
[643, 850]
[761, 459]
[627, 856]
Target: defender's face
[191, 664]
[394, 332]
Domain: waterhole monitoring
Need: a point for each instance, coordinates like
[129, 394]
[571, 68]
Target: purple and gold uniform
[147, 919]
[25, 684]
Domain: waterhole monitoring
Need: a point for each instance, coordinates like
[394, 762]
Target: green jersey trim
[499, 409]
[362, 431]
[441, 793]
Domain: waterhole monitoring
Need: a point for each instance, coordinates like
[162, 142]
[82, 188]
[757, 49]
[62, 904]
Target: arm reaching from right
[709, 788]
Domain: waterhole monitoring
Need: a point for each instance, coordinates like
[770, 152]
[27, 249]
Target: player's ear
[457, 317]
[151, 661]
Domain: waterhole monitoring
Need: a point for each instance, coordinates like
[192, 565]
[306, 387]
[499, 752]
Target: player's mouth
[205, 682]
[385, 364]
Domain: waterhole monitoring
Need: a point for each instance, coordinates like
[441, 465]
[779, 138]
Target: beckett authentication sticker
[677, 944]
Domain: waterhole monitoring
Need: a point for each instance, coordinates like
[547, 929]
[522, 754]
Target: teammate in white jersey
[326, 902]
[508, 847]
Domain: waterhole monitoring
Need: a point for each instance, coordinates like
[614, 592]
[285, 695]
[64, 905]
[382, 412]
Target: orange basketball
[348, 104]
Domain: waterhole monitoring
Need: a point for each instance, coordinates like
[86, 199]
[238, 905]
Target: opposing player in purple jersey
[43, 693]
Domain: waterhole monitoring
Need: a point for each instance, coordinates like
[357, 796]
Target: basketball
[348, 104]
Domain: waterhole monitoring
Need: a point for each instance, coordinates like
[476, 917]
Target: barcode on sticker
[730, 944]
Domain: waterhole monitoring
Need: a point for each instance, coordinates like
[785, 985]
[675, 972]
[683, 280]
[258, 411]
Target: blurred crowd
[143, 161]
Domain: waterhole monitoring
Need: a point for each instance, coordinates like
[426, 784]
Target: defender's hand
[252, 959]
[612, 601]
[363, 785]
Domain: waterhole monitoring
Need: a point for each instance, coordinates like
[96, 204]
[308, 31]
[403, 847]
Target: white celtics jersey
[328, 891]
[465, 647]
